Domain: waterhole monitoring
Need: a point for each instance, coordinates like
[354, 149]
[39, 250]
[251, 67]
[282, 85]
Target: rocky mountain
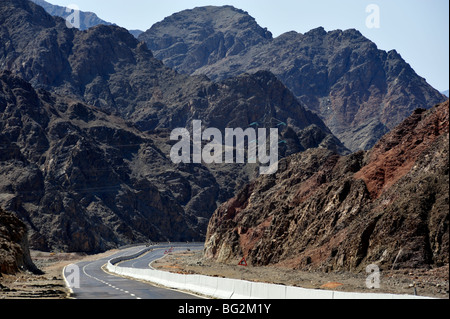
[79, 177]
[108, 68]
[85, 127]
[14, 250]
[87, 19]
[359, 91]
[387, 206]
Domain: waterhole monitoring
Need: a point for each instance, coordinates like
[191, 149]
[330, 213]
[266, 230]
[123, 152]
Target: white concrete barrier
[303, 293]
[225, 288]
[242, 289]
[192, 282]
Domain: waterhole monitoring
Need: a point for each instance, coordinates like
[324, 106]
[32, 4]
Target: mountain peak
[217, 32]
[340, 75]
[320, 31]
[218, 18]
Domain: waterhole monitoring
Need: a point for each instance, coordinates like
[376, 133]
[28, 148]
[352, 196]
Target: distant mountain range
[86, 117]
[87, 19]
[446, 93]
[85, 134]
[222, 42]
[359, 91]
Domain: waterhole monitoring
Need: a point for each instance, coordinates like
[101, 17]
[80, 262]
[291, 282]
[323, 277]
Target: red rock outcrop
[322, 211]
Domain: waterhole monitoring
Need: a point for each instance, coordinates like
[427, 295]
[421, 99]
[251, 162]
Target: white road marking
[126, 291]
[106, 283]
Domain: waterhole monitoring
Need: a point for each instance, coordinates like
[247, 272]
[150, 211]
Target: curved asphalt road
[95, 283]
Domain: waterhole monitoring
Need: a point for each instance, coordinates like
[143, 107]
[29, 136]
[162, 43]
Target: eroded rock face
[107, 67]
[387, 206]
[87, 166]
[14, 250]
[85, 180]
[359, 91]
[79, 177]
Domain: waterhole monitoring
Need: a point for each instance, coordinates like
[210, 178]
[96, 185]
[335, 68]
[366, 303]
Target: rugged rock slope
[359, 91]
[322, 211]
[14, 251]
[79, 178]
[192, 39]
[107, 67]
[87, 166]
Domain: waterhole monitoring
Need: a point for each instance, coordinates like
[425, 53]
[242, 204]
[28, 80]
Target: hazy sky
[417, 29]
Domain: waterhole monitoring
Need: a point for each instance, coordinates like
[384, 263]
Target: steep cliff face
[78, 177]
[87, 166]
[85, 180]
[14, 250]
[108, 68]
[359, 91]
[388, 206]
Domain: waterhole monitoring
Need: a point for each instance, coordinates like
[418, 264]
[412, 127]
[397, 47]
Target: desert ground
[50, 285]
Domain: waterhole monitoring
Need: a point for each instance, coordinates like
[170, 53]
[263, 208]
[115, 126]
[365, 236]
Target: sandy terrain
[432, 283]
